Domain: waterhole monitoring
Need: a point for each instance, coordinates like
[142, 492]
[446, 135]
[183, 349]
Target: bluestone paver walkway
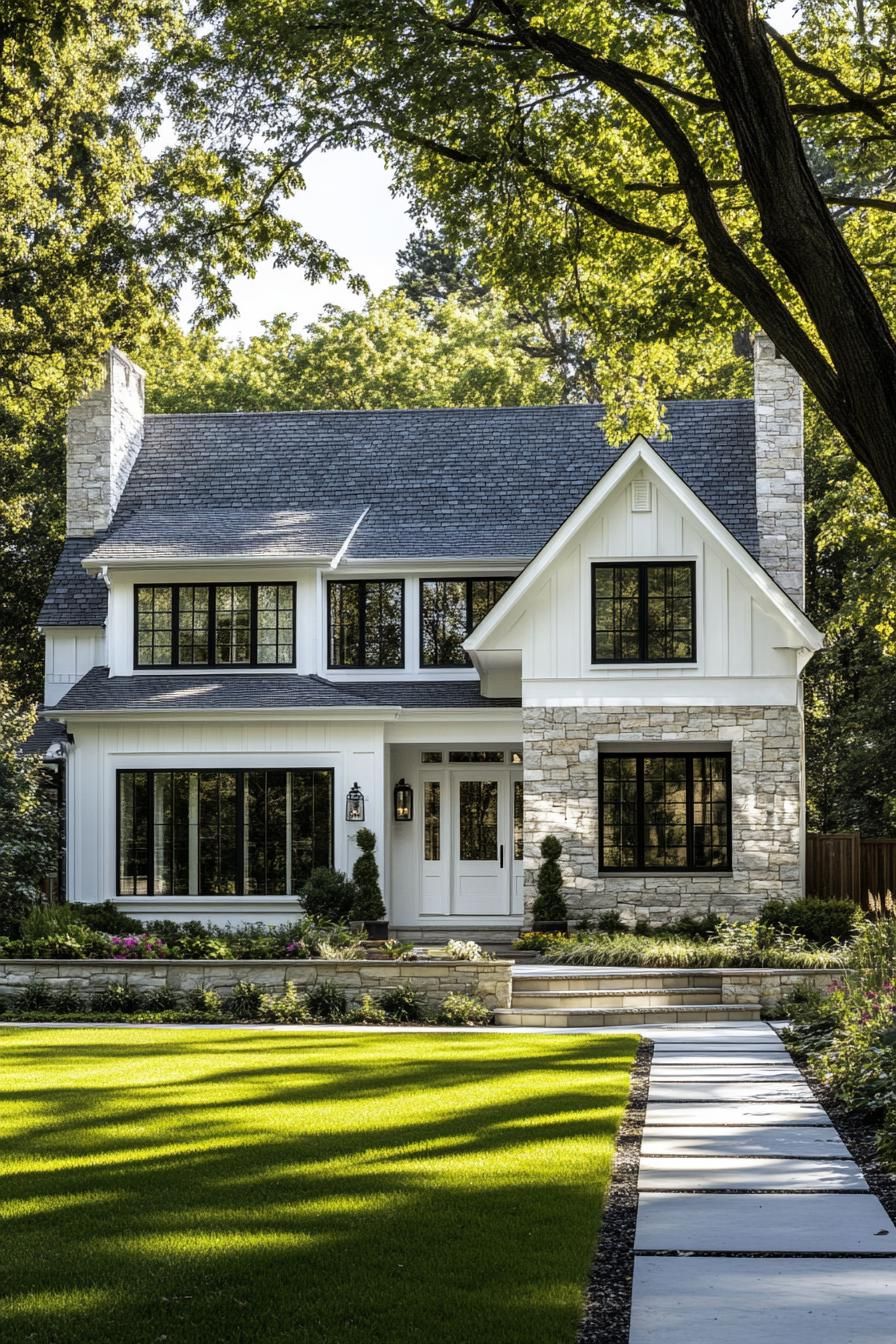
[754, 1223]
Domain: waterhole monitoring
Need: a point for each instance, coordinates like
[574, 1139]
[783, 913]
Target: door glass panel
[517, 819]
[432, 821]
[479, 820]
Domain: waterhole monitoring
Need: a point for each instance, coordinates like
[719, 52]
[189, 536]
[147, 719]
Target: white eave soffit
[639, 450]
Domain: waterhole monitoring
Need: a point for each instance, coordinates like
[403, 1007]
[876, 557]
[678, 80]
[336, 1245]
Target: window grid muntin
[287, 644]
[629, 614]
[311, 800]
[614, 765]
[476, 597]
[155, 620]
[364, 590]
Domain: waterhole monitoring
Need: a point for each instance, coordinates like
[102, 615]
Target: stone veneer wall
[488, 980]
[560, 750]
[778, 404]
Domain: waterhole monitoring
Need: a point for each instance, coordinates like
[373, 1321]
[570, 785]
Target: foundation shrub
[117, 997]
[162, 1000]
[403, 1003]
[37, 996]
[463, 1010]
[245, 1001]
[821, 922]
[290, 1006]
[326, 1002]
[203, 1000]
[328, 896]
[368, 1011]
[105, 917]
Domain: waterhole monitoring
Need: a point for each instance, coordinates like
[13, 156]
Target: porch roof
[98, 692]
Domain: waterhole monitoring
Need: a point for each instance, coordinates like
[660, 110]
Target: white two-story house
[465, 629]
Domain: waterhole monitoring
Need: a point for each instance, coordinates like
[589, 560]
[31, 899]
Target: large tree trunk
[800, 234]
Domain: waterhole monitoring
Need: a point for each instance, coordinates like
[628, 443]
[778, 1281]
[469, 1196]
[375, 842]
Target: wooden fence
[846, 864]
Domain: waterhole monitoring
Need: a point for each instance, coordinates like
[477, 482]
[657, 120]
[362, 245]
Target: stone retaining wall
[771, 986]
[488, 980]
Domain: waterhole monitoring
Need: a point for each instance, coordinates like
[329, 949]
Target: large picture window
[669, 812]
[365, 623]
[450, 610]
[222, 832]
[643, 613]
[214, 625]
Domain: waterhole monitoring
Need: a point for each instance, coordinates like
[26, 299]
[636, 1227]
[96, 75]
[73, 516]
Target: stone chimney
[104, 435]
[778, 408]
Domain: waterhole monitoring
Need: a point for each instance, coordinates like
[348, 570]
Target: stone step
[610, 999]
[629, 980]
[624, 1017]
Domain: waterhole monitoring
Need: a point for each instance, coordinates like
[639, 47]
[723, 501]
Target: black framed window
[450, 610]
[365, 623]
[222, 832]
[214, 625]
[665, 811]
[644, 613]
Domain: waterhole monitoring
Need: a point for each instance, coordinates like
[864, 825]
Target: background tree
[103, 225]
[28, 820]
[661, 171]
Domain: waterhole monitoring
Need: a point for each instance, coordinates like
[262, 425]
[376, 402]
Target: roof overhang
[640, 451]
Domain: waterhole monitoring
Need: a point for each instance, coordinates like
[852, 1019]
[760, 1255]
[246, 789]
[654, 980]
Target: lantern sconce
[404, 801]
[354, 804]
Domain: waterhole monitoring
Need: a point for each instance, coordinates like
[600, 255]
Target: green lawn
[209, 1187]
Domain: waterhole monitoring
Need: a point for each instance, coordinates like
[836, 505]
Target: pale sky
[348, 203]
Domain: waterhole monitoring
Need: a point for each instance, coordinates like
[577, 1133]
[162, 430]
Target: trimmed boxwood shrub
[368, 903]
[822, 922]
[549, 906]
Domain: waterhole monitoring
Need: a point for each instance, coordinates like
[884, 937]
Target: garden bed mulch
[608, 1298]
[860, 1136]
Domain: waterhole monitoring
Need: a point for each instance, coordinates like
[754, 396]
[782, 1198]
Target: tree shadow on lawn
[395, 1207]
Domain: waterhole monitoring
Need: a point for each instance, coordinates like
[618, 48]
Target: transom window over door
[668, 812]
[365, 623]
[643, 613]
[214, 625]
[450, 610]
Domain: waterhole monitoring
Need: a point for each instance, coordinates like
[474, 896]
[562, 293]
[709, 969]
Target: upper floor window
[450, 609]
[365, 623]
[643, 613]
[214, 625]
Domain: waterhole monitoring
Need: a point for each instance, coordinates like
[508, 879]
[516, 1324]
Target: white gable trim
[639, 450]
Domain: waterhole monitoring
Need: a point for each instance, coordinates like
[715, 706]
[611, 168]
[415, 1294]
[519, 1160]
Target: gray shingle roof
[439, 483]
[98, 691]
[74, 597]
[44, 735]
[157, 534]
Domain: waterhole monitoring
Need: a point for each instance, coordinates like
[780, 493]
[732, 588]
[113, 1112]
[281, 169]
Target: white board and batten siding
[747, 650]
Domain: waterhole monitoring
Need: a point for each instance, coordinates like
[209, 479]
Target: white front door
[482, 843]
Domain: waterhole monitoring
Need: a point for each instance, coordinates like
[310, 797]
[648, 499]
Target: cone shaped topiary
[366, 880]
[549, 905]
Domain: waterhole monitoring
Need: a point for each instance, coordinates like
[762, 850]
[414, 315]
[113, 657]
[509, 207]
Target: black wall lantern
[404, 801]
[354, 804]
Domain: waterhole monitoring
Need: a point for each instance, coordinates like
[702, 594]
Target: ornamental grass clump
[734, 944]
